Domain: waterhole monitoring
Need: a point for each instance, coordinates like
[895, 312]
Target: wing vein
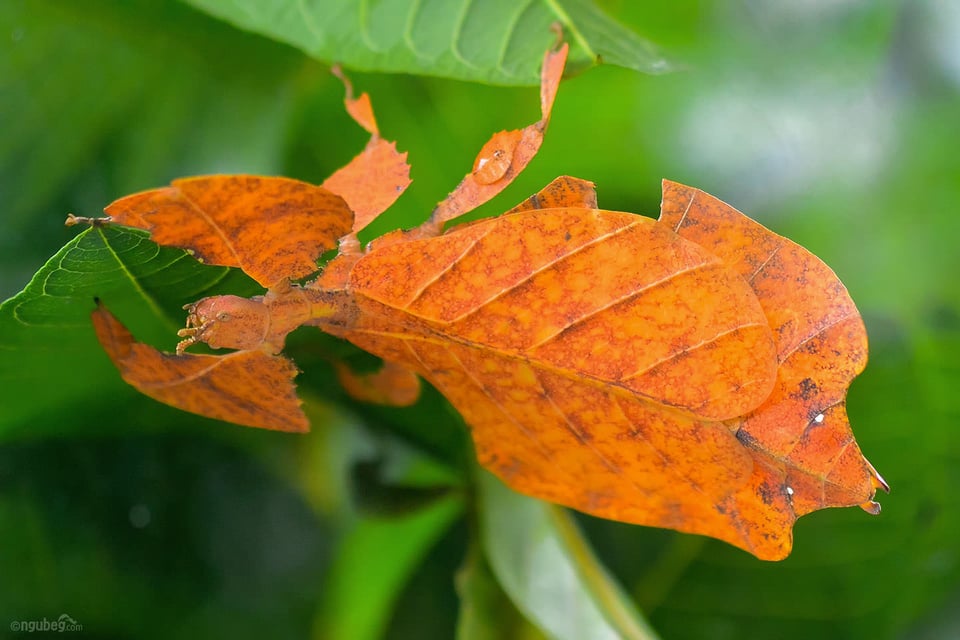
[616, 301]
[463, 254]
[214, 225]
[612, 466]
[669, 466]
[818, 332]
[550, 263]
[763, 264]
[694, 347]
[685, 212]
[529, 434]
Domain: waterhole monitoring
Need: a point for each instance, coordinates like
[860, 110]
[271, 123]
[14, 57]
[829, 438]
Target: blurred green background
[833, 122]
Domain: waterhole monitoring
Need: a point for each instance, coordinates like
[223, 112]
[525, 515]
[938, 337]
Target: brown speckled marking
[272, 228]
[821, 347]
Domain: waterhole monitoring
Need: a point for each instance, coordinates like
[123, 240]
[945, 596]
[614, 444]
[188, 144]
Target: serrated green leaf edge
[507, 37]
[46, 336]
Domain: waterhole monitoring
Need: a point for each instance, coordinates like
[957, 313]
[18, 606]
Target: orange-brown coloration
[594, 354]
[803, 424]
[227, 322]
[593, 294]
[250, 388]
[272, 228]
[496, 156]
[565, 191]
[687, 373]
[516, 149]
[379, 164]
[261, 322]
[360, 109]
[392, 384]
[378, 175]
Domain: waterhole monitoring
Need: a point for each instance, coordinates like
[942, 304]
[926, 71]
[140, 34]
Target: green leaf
[486, 612]
[547, 568]
[374, 560]
[182, 529]
[606, 40]
[104, 98]
[46, 337]
[494, 41]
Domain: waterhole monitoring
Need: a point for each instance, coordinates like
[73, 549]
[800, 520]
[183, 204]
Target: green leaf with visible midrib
[494, 41]
[46, 336]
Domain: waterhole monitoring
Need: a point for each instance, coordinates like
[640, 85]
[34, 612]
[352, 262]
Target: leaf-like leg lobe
[272, 228]
[392, 385]
[377, 176]
[504, 156]
[250, 388]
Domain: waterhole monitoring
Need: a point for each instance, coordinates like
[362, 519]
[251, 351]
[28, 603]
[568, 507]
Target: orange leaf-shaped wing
[593, 353]
[611, 297]
[272, 228]
[812, 459]
[250, 388]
